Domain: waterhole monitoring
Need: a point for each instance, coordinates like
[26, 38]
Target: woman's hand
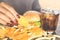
[8, 16]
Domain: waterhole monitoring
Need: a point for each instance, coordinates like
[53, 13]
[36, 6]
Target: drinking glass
[49, 21]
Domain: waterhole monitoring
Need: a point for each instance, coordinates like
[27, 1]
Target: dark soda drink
[49, 21]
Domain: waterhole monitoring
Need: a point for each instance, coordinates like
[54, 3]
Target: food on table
[29, 25]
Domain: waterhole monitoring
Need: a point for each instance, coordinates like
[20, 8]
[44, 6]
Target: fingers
[11, 9]
[2, 16]
[3, 22]
[8, 14]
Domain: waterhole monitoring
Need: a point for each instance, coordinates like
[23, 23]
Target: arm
[36, 6]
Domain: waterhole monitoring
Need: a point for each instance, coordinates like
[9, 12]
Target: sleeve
[36, 6]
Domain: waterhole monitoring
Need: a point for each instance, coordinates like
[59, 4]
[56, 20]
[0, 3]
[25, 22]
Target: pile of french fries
[19, 32]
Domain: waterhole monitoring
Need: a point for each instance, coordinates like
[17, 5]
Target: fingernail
[11, 21]
[16, 23]
[18, 16]
[10, 25]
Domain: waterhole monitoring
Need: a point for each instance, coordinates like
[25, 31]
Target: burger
[33, 17]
